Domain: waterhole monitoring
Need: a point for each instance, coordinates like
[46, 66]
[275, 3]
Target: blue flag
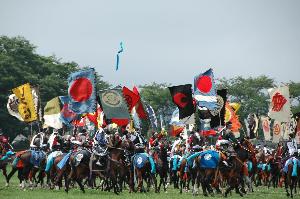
[152, 116]
[66, 115]
[82, 91]
[118, 56]
[205, 90]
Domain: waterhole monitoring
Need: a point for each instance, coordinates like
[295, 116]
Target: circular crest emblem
[79, 157]
[112, 98]
[276, 129]
[207, 156]
[139, 160]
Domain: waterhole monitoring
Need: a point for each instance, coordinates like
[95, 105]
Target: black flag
[182, 97]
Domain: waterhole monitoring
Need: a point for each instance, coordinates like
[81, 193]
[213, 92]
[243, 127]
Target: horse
[5, 159]
[184, 175]
[141, 169]
[23, 163]
[291, 175]
[162, 164]
[79, 162]
[233, 173]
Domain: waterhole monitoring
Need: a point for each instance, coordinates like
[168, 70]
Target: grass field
[14, 192]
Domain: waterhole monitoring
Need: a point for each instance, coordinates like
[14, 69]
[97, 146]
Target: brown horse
[290, 180]
[79, 162]
[184, 175]
[162, 164]
[234, 174]
[26, 170]
[143, 172]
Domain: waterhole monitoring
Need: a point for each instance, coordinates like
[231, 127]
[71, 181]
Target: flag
[231, 116]
[276, 132]
[36, 100]
[252, 121]
[205, 91]
[131, 98]
[139, 106]
[235, 106]
[182, 97]
[217, 118]
[79, 122]
[175, 130]
[285, 128]
[52, 113]
[162, 126]
[280, 108]
[66, 114]
[152, 116]
[26, 105]
[12, 106]
[97, 117]
[265, 123]
[82, 91]
[297, 129]
[114, 106]
[118, 55]
[136, 119]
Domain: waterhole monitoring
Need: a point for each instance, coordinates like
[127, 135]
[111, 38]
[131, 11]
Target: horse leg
[79, 182]
[68, 181]
[165, 183]
[204, 187]
[181, 185]
[11, 173]
[5, 175]
[286, 186]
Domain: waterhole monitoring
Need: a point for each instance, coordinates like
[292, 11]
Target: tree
[295, 96]
[20, 64]
[250, 92]
[158, 96]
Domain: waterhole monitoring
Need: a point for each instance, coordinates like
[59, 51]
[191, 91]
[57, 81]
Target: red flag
[120, 122]
[139, 106]
[94, 117]
[79, 123]
[131, 98]
[175, 130]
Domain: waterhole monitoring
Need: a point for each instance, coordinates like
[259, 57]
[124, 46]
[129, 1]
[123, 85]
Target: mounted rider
[100, 146]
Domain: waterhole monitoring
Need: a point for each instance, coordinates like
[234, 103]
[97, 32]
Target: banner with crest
[280, 108]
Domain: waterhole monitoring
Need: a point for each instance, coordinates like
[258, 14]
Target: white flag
[12, 106]
[285, 130]
[280, 108]
[265, 123]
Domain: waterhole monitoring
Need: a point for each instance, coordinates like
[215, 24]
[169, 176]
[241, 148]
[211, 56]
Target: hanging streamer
[118, 56]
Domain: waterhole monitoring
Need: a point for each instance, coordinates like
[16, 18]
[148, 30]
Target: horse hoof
[6, 184]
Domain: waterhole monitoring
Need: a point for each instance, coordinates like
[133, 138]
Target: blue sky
[164, 40]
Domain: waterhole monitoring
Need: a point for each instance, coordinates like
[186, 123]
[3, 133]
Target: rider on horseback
[100, 145]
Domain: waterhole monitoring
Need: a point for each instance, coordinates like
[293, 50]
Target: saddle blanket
[63, 161]
[50, 159]
[140, 159]
[36, 157]
[295, 163]
[81, 156]
[208, 159]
